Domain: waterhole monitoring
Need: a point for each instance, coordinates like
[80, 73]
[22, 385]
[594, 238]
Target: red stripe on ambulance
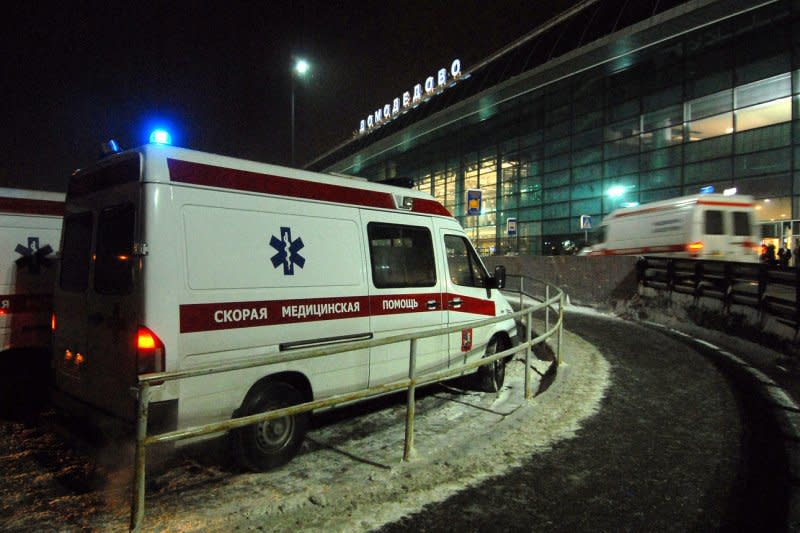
[234, 315]
[31, 206]
[242, 180]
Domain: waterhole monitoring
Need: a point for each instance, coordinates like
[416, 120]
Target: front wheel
[273, 443]
[492, 376]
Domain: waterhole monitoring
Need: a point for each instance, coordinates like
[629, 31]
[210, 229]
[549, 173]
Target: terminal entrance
[782, 234]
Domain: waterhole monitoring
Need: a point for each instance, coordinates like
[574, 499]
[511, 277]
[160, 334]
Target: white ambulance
[174, 259]
[702, 226]
[30, 230]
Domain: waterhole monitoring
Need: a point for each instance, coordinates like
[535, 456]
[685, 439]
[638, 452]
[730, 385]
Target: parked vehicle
[175, 259]
[703, 226]
[30, 230]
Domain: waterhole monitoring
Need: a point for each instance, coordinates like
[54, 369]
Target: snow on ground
[349, 475]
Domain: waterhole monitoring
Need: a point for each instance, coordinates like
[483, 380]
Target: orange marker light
[53, 322]
[695, 246]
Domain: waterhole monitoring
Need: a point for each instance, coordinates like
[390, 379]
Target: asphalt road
[681, 443]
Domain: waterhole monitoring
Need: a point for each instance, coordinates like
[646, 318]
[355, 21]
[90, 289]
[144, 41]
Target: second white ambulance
[175, 259]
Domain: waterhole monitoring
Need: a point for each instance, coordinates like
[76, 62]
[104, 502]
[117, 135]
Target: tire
[273, 443]
[492, 376]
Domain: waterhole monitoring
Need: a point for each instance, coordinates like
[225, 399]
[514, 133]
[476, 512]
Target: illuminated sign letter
[417, 93]
[363, 127]
[441, 77]
[378, 116]
[396, 106]
[429, 86]
[387, 111]
[455, 68]
[406, 99]
[370, 122]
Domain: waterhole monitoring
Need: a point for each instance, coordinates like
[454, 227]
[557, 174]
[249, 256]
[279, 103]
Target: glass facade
[718, 106]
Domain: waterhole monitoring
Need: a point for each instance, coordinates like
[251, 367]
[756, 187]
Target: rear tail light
[150, 352]
[694, 248]
[53, 322]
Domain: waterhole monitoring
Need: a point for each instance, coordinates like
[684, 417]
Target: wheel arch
[296, 379]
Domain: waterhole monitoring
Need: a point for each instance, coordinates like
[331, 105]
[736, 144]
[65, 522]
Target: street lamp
[300, 69]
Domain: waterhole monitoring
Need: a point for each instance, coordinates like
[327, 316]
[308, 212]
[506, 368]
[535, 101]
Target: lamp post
[300, 68]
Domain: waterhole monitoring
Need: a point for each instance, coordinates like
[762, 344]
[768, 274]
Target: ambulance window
[600, 235]
[402, 256]
[112, 272]
[741, 223]
[75, 254]
[463, 264]
[713, 224]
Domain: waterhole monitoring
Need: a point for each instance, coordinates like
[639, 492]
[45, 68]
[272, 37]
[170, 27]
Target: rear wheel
[492, 376]
[273, 443]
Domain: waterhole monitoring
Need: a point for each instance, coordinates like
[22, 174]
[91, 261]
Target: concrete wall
[595, 281]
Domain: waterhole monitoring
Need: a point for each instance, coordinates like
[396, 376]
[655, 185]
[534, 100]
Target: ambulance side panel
[259, 276]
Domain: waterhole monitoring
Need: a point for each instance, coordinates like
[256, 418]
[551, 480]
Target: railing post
[137, 504]
[528, 327]
[522, 290]
[412, 376]
[547, 307]
[560, 328]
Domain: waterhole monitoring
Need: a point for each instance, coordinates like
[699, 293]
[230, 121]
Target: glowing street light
[301, 66]
[300, 69]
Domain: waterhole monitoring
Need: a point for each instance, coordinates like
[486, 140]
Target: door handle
[432, 304]
[455, 303]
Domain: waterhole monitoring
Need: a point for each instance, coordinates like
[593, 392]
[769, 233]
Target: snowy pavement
[349, 476]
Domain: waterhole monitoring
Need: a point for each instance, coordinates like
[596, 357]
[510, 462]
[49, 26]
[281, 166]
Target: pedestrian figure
[771, 254]
[797, 253]
[783, 257]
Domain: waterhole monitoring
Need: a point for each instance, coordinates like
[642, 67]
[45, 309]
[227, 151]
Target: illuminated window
[711, 127]
[764, 114]
[424, 183]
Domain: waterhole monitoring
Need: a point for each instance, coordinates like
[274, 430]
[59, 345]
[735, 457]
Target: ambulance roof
[170, 164]
[720, 200]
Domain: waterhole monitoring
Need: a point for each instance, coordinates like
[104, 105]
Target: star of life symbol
[288, 250]
[32, 248]
[33, 255]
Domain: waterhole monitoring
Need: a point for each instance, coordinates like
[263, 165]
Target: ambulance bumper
[96, 425]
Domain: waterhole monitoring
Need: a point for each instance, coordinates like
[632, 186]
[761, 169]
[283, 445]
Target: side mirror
[500, 276]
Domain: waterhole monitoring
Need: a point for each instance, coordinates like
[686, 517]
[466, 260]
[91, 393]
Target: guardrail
[769, 289]
[548, 303]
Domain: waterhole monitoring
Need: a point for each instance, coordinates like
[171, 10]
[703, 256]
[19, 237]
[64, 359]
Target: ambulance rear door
[97, 304]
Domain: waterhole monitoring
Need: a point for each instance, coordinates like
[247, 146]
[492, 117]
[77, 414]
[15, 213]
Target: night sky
[217, 74]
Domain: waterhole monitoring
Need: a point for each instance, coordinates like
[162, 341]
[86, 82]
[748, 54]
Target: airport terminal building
[610, 104]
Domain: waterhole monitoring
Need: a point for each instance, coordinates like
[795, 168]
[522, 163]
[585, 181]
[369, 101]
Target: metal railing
[550, 304]
[768, 289]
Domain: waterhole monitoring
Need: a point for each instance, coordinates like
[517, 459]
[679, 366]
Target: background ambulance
[175, 259]
[30, 230]
[702, 226]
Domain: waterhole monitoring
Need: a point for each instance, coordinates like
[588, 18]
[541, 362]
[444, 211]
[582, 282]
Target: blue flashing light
[160, 137]
[708, 189]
